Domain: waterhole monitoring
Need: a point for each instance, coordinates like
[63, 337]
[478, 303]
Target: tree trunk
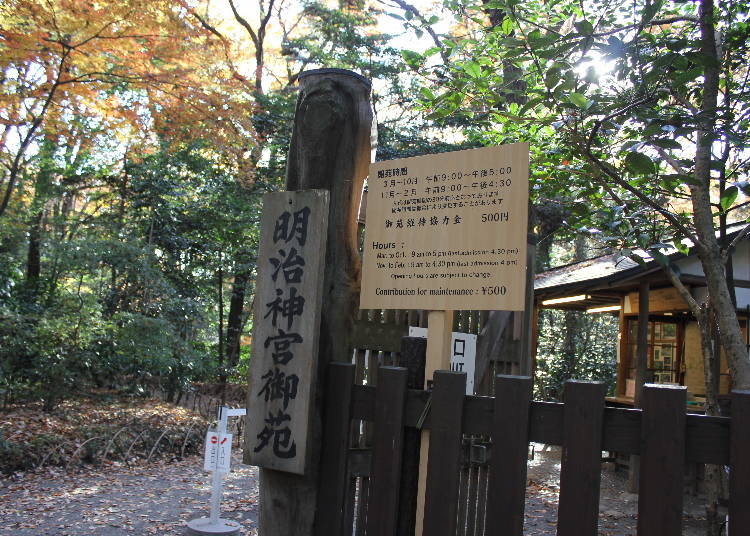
[34, 256]
[330, 149]
[235, 316]
[709, 251]
[710, 352]
[220, 349]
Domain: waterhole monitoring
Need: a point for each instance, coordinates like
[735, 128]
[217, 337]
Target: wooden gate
[361, 487]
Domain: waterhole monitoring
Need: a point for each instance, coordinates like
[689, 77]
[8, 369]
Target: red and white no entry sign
[218, 452]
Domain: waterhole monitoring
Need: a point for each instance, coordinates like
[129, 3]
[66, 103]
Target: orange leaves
[145, 66]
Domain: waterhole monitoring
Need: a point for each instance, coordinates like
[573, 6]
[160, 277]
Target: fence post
[413, 353]
[580, 473]
[739, 475]
[385, 476]
[446, 422]
[662, 460]
[333, 460]
[506, 492]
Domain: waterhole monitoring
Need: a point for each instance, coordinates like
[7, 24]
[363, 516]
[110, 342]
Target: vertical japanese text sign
[291, 259]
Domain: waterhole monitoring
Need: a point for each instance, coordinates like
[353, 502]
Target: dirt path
[113, 501]
[618, 509]
[161, 498]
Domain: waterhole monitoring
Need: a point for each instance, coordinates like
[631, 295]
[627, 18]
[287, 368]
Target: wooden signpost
[287, 325]
[330, 150]
[445, 232]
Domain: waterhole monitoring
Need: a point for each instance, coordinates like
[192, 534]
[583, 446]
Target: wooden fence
[379, 331]
[361, 486]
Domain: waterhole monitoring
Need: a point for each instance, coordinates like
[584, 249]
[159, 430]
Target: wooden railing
[361, 487]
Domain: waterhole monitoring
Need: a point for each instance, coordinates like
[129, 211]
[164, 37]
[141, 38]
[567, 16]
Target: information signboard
[291, 259]
[463, 353]
[448, 231]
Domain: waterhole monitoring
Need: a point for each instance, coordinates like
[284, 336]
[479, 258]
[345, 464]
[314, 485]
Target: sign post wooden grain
[445, 232]
[440, 327]
[330, 149]
[288, 294]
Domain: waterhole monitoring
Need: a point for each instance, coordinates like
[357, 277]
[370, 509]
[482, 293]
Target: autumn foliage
[147, 69]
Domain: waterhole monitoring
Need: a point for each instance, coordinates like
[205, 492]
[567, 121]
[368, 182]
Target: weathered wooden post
[640, 375]
[330, 150]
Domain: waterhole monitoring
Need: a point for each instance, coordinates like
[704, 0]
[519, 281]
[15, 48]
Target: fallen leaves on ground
[102, 430]
[157, 498]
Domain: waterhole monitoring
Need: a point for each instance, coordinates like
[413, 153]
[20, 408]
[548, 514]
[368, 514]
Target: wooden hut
[611, 284]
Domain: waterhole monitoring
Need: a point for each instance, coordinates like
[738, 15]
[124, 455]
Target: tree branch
[16, 165]
[733, 244]
[682, 290]
[435, 38]
[598, 123]
[671, 161]
[646, 200]
[243, 22]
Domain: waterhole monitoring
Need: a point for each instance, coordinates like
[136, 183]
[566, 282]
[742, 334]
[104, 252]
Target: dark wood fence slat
[707, 437]
[349, 505]
[739, 476]
[363, 505]
[580, 473]
[510, 442]
[441, 495]
[385, 478]
[471, 506]
[413, 354]
[463, 501]
[333, 462]
[662, 459]
[482, 510]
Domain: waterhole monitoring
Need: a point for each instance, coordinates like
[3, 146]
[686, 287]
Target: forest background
[138, 138]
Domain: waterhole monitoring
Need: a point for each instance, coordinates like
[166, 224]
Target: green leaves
[412, 59]
[659, 257]
[681, 246]
[639, 164]
[507, 26]
[584, 27]
[728, 198]
[579, 100]
[473, 69]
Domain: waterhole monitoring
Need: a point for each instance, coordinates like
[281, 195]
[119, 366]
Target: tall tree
[139, 65]
[647, 141]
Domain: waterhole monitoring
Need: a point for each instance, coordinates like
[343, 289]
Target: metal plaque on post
[291, 259]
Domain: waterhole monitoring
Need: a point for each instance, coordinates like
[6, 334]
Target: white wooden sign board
[448, 231]
[463, 353]
[218, 453]
[291, 261]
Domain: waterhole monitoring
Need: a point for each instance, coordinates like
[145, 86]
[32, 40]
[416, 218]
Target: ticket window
[663, 350]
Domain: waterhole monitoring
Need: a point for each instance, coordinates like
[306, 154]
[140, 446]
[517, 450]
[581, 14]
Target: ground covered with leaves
[129, 466]
[156, 498]
[618, 509]
[105, 429]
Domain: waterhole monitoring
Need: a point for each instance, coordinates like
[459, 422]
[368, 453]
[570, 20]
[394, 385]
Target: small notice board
[448, 231]
[463, 353]
[218, 452]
